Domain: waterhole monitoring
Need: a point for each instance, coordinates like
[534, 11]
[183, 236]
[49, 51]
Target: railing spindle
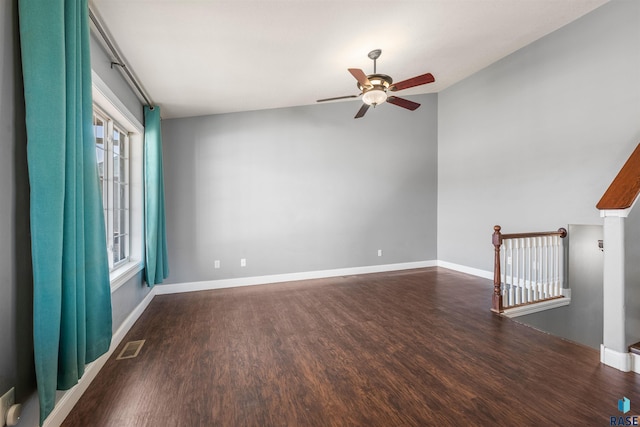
[504, 277]
[559, 266]
[554, 267]
[530, 284]
[521, 276]
[545, 269]
[539, 268]
[512, 284]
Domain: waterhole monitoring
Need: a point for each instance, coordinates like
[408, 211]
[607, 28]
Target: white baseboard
[464, 269]
[288, 277]
[69, 398]
[537, 307]
[616, 359]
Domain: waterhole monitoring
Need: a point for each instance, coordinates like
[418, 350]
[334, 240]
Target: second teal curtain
[156, 259]
[72, 296]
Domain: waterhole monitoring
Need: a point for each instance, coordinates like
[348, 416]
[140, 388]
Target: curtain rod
[117, 59]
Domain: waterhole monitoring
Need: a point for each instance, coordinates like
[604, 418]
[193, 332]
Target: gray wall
[533, 141]
[16, 290]
[581, 321]
[126, 298]
[101, 64]
[300, 189]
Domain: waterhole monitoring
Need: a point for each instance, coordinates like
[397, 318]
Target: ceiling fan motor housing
[376, 93]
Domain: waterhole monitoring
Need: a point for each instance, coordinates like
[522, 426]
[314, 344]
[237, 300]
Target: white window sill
[124, 273]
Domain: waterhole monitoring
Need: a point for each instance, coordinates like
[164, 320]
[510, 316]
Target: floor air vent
[130, 350]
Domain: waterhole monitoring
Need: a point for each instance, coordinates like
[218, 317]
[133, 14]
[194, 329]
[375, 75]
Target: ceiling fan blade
[337, 97]
[415, 81]
[404, 103]
[360, 76]
[362, 111]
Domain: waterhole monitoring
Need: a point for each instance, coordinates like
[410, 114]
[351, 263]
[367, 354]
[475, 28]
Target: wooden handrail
[497, 305]
[562, 232]
[625, 187]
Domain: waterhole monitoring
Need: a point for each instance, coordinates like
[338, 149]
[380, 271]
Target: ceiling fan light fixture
[374, 97]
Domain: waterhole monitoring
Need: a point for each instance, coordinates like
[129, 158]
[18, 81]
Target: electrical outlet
[243, 262]
[379, 252]
[6, 402]
[216, 263]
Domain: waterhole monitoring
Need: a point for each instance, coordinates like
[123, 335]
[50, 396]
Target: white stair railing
[528, 268]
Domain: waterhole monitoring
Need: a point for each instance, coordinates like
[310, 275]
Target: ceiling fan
[374, 88]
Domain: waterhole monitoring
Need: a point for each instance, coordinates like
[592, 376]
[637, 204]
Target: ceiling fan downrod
[375, 54]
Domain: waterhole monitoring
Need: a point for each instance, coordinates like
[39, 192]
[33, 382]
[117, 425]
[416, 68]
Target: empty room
[319, 213]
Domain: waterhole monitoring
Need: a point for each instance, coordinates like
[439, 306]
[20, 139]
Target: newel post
[496, 303]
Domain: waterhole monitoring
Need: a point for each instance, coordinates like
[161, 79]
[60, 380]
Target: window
[112, 150]
[119, 149]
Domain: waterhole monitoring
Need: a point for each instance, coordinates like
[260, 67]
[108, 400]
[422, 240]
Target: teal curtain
[72, 297]
[156, 260]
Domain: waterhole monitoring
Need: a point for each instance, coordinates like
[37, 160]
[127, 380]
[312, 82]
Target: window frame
[108, 104]
[115, 174]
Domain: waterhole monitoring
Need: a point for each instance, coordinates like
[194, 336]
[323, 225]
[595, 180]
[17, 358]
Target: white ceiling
[198, 57]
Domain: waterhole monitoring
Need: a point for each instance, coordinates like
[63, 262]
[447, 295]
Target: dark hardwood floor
[417, 348]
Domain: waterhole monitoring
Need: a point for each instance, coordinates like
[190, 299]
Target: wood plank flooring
[417, 348]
